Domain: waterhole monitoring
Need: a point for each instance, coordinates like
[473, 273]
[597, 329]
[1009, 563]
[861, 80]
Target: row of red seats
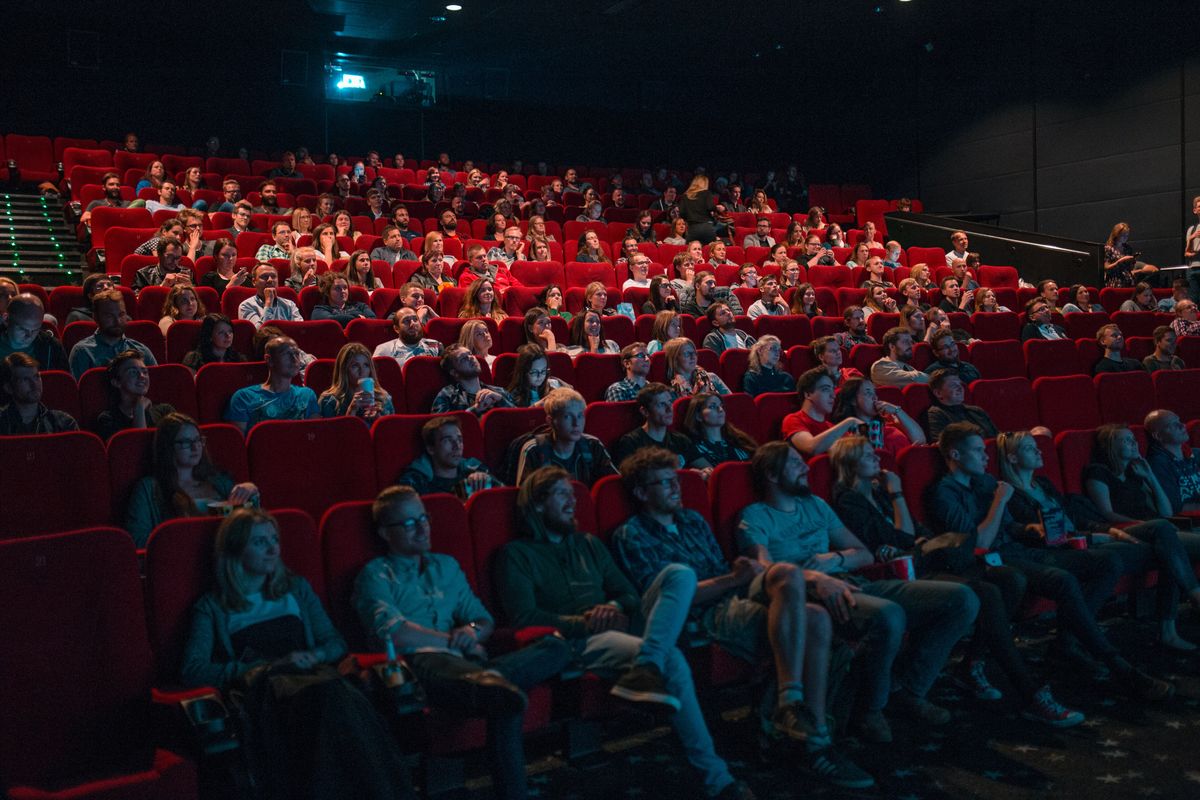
[79, 481]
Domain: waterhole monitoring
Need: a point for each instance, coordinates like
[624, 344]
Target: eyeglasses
[408, 525]
[640, 356]
[538, 373]
[663, 483]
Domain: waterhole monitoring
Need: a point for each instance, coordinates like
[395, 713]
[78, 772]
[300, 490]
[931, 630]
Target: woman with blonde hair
[679, 230]
[696, 206]
[595, 298]
[921, 274]
[763, 371]
[684, 374]
[302, 268]
[349, 393]
[182, 302]
[476, 337]
[1121, 264]
[481, 301]
[301, 223]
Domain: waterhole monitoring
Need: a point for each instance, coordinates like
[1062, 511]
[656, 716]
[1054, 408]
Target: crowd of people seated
[810, 573]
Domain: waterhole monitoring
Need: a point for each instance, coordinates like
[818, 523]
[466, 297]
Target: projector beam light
[349, 81]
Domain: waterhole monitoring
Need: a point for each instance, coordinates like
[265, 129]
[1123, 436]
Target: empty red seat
[1067, 402]
[1003, 358]
[772, 408]
[996, 325]
[423, 379]
[580, 274]
[53, 482]
[77, 672]
[501, 426]
[933, 256]
[1045, 357]
[1008, 401]
[327, 472]
[920, 467]
[595, 372]
[999, 277]
[791, 329]
[608, 422]
[322, 338]
[60, 392]
[1075, 450]
[34, 156]
[1083, 325]
[862, 356]
[731, 489]
[1178, 391]
[1124, 397]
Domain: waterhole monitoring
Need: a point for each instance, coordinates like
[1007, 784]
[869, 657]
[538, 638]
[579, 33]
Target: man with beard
[410, 338]
[112, 198]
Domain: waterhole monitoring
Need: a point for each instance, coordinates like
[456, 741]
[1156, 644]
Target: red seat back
[1050, 357]
[1008, 401]
[996, 325]
[1067, 402]
[216, 383]
[53, 482]
[1179, 391]
[327, 472]
[1124, 397]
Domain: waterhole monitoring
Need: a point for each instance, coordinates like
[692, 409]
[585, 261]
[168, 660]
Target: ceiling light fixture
[454, 7]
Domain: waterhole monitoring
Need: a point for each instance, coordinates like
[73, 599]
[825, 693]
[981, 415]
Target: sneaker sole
[861, 783]
[653, 698]
[1055, 723]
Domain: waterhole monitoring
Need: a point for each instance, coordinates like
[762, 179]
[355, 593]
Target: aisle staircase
[36, 246]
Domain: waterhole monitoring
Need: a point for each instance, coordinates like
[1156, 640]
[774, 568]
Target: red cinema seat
[1124, 397]
[791, 329]
[105, 218]
[1067, 402]
[772, 408]
[1049, 357]
[920, 467]
[423, 379]
[933, 256]
[397, 442]
[216, 383]
[539, 273]
[862, 356]
[1001, 358]
[1136, 323]
[370, 332]
[53, 482]
[619, 328]
[1084, 325]
[581, 274]
[34, 156]
[733, 366]
[1008, 401]
[1075, 450]
[1178, 391]
[60, 392]
[999, 277]
[730, 489]
[595, 372]
[179, 570]
[322, 338]
[330, 472]
[992, 326]
[501, 426]
[608, 422]
[77, 672]
[917, 399]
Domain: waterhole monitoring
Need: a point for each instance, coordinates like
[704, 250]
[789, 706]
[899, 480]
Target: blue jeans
[440, 674]
[665, 607]
[936, 614]
[1193, 279]
[1172, 552]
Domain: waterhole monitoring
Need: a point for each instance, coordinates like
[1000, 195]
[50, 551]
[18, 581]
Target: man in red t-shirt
[809, 429]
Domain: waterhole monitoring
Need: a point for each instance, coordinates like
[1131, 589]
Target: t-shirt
[255, 404]
[1128, 493]
[801, 421]
[1124, 365]
[793, 537]
[1179, 477]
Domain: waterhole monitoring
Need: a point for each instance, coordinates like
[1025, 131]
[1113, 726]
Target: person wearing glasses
[636, 361]
[512, 249]
[420, 603]
[183, 481]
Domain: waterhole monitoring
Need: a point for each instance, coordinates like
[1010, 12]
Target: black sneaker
[643, 683]
[1146, 687]
[831, 766]
[491, 691]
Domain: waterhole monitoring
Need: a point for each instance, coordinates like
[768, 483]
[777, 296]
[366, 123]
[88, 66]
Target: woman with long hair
[539, 330]
[878, 300]
[679, 232]
[153, 177]
[214, 343]
[595, 298]
[888, 426]
[326, 244]
[481, 301]
[531, 378]
[667, 326]
[859, 255]
[587, 335]
[302, 268]
[551, 299]
[590, 251]
[343, 225]
[476, 337]
[183, 482]
[870, 502]
[264, 626]
[662, 296]
[696, 206]
[763, 372]
[182, 302]
[912, 318]
[1142, 300]
[794, 236]
[225, 272]
[349, 393]
[1121, 264]
[985, 301]
[804, 301]
[814, 222]
[359, 272]
[540, 251]
[759, 204]
[684, 374]
[921, 274]
[302, 223]
[714, 438]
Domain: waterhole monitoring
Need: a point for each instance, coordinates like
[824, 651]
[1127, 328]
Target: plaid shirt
[455, 398]
[623, 390]
[644, 547]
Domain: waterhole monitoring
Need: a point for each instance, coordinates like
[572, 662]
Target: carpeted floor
[1125, 749]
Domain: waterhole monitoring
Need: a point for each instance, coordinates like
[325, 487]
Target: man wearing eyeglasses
[241, 219]
[421, 603]
[636, 362]
[512, 249]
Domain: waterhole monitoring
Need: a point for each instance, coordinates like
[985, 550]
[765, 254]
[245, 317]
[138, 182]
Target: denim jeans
[440, 675]
[1169, 550]
[936, 614]
[665, 607]
[1193, 279]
